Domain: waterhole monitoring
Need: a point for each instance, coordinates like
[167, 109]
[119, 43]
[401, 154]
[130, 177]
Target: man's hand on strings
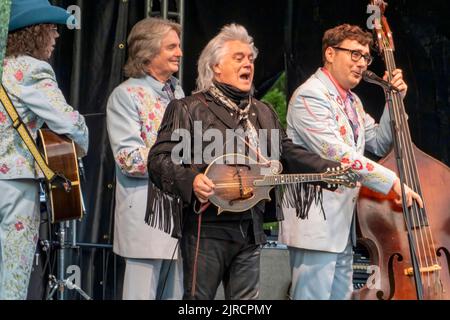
[397, 81]
[410, 195]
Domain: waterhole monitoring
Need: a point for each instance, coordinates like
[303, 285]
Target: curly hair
[336, 35]
[32, 41]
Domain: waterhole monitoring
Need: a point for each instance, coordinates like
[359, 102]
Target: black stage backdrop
[88, 63]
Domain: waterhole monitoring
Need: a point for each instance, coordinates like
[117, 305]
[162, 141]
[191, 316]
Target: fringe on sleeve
[164, 211]
[299, 196]
[174, 116]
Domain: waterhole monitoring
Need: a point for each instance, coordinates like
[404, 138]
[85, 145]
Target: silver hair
[215, 50]
[144, 43]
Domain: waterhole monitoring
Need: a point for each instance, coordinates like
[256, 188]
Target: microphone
[371, 77]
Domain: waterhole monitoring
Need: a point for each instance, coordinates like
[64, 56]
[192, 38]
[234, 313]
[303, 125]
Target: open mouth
[245, 76]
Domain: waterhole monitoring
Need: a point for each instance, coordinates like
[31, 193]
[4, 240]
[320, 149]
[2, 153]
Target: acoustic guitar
[61, 156]
[242, 182]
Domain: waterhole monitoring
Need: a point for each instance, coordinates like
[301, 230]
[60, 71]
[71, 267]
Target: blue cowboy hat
[25, 13]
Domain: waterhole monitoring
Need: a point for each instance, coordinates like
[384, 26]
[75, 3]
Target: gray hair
[144, 43]
[215, 50]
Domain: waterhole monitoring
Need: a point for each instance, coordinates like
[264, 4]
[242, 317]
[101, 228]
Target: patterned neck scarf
[250, 130]
[169, 90]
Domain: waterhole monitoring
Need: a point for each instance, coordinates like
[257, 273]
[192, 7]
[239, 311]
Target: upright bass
[414, 264]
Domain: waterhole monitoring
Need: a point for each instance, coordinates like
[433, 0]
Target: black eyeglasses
[356, 55]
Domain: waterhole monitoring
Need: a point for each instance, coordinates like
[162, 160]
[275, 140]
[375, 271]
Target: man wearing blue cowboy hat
[31, 84]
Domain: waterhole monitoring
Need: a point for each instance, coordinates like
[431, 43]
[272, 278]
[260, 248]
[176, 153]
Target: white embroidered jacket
[317, 121]
[32, 87]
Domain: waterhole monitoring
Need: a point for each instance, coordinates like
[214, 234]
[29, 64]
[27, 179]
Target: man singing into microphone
[326, 117]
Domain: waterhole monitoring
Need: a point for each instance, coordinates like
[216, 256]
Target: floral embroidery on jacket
[329, 151]
[32, 86]
[4, 169]
[150, 110]
[357, 165]
[19, 75]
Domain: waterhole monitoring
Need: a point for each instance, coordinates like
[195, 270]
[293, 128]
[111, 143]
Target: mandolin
[241, 182]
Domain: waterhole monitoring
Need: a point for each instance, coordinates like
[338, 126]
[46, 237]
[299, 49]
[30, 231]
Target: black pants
[237, 264]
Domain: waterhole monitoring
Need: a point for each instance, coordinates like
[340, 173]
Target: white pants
[150, 279]
[19, 229]
[319, 275]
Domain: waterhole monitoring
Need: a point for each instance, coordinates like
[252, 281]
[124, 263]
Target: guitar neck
[282, 179]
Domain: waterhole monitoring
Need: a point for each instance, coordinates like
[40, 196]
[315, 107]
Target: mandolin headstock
[341, 176]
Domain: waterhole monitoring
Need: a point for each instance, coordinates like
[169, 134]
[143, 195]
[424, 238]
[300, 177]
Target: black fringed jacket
[170, 194]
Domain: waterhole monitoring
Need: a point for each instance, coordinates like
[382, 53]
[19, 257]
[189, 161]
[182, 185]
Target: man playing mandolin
[223, 247]
[325, 117]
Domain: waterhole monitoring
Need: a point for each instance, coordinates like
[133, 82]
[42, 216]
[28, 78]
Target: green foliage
[4, 20]
[276, 96]
[271, 226]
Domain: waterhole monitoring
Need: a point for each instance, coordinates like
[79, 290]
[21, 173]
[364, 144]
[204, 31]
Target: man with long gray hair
[134, 112]
[219, 248]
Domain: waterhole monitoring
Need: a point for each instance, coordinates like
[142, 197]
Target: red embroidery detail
[342, 131]
[345, 160]
[4, 169]
[142, 168]
[357, 165]
[19, 225]
[2, 117]
[19, 75]
[151, 116]
[369, 166]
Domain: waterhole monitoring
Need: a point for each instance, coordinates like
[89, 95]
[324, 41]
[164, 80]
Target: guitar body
[234, 176]
[60, 154]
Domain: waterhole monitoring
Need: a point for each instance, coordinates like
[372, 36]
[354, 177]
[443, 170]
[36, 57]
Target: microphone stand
[59, 283]
[399, 159]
